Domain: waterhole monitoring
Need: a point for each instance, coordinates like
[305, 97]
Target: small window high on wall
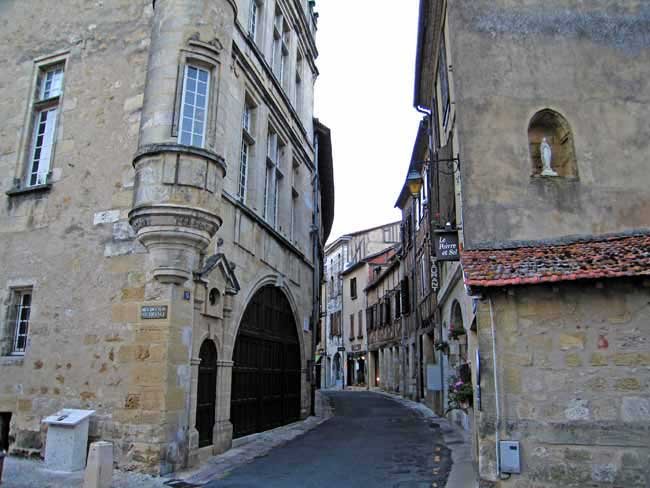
[550, 142]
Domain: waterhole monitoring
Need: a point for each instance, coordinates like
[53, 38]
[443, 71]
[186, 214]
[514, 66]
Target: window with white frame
[443, 76]
[246, 148]
[21, 305]
[299, 94]
[254, 18]
[274, 150]
[280, 46]
[295, 184]
[46, 108]
[194, 106]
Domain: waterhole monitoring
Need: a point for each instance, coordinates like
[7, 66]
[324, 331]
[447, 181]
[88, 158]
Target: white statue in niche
[547, 154]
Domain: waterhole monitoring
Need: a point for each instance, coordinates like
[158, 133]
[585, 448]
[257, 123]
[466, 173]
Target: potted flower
[460, 395]
[456, 332]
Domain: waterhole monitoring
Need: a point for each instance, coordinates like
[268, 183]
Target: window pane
[51, 83]
[42, 147]
[194, 103]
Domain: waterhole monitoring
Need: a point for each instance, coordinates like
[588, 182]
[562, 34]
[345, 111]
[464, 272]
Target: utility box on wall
[510, 458]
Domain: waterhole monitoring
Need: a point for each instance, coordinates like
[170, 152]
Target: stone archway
[267, 368]
[206, 393]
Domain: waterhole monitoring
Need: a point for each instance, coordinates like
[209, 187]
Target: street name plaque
[153, 312]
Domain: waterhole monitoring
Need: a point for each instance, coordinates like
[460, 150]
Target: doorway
[206, 396]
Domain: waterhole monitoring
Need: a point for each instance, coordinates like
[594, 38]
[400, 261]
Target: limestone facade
[572, 375]
[495, 80]
[185, 174]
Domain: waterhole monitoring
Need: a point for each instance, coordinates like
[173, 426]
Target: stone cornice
[151, 149]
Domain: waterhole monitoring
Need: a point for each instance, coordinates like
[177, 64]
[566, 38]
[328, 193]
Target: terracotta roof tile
[610, 257]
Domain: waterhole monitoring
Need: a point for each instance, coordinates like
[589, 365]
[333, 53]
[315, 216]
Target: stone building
[541, 110]
[355, 337]
[386, 310]
[167, 195]
[345, 251]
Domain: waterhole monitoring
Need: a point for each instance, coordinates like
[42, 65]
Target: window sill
[12, 360]
[29, 189]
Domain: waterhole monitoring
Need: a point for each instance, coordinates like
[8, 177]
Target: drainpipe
[496, 389]
[315, 312]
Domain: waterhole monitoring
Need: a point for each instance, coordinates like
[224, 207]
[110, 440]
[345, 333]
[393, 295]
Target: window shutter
[406, 304]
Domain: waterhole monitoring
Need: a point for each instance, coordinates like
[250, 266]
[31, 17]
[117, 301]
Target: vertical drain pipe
[496, 389]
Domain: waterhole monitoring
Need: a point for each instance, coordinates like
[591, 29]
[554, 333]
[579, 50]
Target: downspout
[315, 312]
[496, 389]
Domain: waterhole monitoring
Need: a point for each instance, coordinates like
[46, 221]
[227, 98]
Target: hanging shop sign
[447, 248]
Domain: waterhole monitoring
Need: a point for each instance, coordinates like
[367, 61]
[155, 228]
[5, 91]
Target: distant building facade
[339, 255]
[167, 195]
[356, 278]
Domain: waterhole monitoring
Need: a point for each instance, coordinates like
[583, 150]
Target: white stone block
[99, 470]
[67, 438]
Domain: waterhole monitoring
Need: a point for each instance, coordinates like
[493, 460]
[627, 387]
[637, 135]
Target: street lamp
[414, 182]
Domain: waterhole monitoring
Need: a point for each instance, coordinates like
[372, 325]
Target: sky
[364, 94]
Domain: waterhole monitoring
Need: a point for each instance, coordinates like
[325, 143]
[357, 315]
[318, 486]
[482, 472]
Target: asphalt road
[372, 440]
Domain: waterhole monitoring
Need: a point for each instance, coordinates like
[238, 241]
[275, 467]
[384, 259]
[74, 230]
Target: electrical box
[510, 459]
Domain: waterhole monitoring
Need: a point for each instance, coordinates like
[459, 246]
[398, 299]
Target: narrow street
[372, 440]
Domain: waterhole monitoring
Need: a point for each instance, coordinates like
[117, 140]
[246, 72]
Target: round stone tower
[179, 173]
[178, 166]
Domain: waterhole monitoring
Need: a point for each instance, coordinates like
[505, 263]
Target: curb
[249, 448]
[462, 474]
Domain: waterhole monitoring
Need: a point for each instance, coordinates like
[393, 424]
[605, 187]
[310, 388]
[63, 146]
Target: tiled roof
[607, 257]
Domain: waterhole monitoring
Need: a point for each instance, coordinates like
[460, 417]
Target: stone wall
[72, 243]
[88, 345]
[589, 63]
[573, 362]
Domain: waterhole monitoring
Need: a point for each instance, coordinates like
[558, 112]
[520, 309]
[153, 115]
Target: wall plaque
[446, 242]
[356, 347]
[153, 312]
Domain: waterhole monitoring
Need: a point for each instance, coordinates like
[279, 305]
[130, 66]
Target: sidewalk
[458, 440]
[30, 473]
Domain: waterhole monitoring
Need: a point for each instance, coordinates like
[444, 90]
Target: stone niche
[215, 285]
[556, 129]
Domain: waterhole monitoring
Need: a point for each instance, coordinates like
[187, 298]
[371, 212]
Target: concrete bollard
[99, 470]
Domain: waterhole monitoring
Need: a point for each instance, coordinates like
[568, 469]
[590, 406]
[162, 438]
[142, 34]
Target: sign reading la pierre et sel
[446, 242]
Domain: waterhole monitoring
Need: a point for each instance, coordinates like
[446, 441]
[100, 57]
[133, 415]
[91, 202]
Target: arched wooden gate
[266, 370]
[206, 395]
